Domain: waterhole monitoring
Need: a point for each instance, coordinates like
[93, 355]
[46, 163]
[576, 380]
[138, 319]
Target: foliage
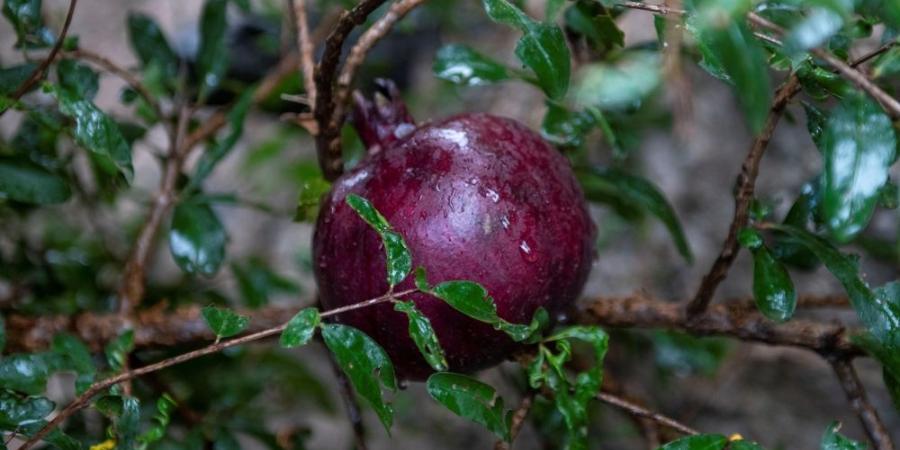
[74, 211]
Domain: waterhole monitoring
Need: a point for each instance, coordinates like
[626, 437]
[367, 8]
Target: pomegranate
[477, 197]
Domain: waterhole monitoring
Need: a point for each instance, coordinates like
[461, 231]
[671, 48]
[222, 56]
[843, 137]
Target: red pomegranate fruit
[477, 197]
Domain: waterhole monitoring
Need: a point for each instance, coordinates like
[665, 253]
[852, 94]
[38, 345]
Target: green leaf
[311, 191]
[622, 85]
[423, 335]
[197, 238]
[814, 30]
[773, 289]
[118, 349]
[587, 383]
[742, 444]
[635, 190]
[683, 354]
[366, 364]
[25, 182]
[422, 280]
[399, 260]
[529, 332]
[471, 399]
[460, 64]
[20, 411]
[878, 313]
[886, 65]
[212, 55]
[892, 383]
[221, 148]
[731, 48]
[127, 424]
[95, 131]
[832, 440]
[25, 17]
[150, 45]
[858, 146]
[698, 442]
[542, 47]
[13, 77]
[566, 128]
[301, 328]
[469, 298]
[78, 78]
[595, 24]
[224, 322]
[164, 407]
[75, 356]
[26, 373]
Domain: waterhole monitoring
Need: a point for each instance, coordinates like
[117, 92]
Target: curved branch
[38, 72]
[856, 395]
[639, 411]
[328, 144]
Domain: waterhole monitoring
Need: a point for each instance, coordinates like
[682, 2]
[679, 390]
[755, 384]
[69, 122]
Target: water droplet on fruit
[527, 252]
[490, 193]
[504, 222]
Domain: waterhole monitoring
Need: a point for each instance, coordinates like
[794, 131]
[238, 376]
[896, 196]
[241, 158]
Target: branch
[743, 197]
[328, 144]
[38, 72]
[216, 347]
[305, 46]
[856, 395]
[368, 40]
[639, 411]
[120, 72]
[890, 104]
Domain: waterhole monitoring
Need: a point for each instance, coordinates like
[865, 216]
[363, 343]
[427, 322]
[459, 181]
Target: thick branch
[738, 319]
[856, 395]
[38, 72]
[328, 143]
[368, 40]
[742, 198]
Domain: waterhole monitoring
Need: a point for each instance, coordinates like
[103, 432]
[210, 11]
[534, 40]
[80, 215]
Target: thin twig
[305, 46]
[678, 85]
[856, 395]
[216, 347]
[119, 71]
[131, 289]
[742, 198]
[889, 103]
[639, 411]
[658, 9]
[328, 144]
[518, 420]
[38, 72]
[362, 47]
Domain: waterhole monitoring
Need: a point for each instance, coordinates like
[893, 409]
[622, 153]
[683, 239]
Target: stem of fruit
[84, 399]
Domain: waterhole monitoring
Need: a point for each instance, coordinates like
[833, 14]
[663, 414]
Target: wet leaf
[698, 442]
[460, 64]
[157, 430]
[366, 364]
[542, 47]
[25, 17]
[813, 30]
[13, 77]
[636, 191]
[197, 238]
[118, 349]
[773, 289]
[77, 77]
[595, 24]
[731, 51]
[151, 46]
[858, 145]
[95, 131]
[212, 55]
[621, 85]
[399, 260]
[28, 183]
[469, 298]
[301, 328]
[19, 411]
[832, 440]
[222, 147]
[312, 189]
[75, 356]
[471, 399]
[566, 128]
[224, 322]
[423, 335]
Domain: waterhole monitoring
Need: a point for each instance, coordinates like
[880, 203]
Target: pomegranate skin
[476, 197]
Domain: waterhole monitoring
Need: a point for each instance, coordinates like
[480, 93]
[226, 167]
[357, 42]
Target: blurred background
[248, 397]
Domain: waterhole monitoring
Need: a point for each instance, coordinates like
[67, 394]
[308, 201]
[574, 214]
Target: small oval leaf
[224, 322]
[197, 238]
[471, 399]
[301, 328]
